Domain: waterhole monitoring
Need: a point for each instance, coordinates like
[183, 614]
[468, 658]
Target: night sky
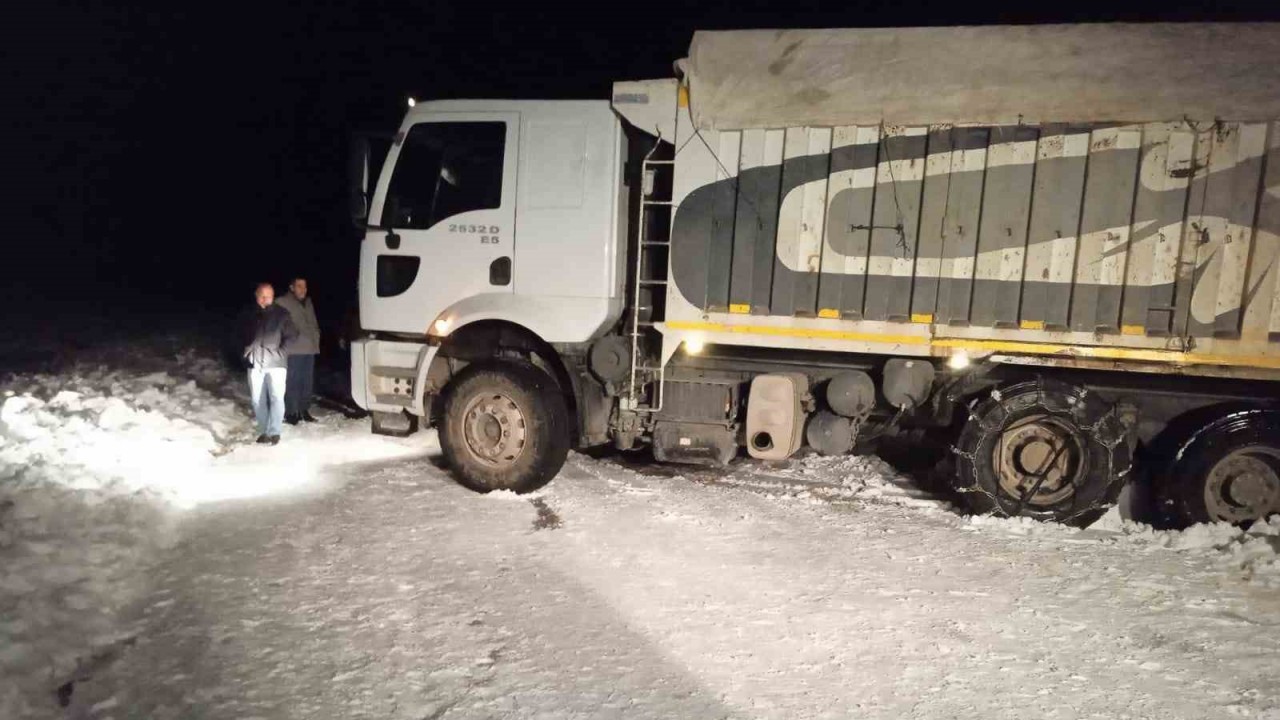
[181, 151]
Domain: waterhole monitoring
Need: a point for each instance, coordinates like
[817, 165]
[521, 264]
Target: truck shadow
[917, 475]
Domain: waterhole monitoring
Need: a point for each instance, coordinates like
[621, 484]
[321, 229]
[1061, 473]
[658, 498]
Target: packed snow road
[614, 594]
[342, 575]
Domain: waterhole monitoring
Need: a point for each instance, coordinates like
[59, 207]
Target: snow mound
[869, 478]
[511, 496]
[1253, 554]
[92, 463]
[1018, 526]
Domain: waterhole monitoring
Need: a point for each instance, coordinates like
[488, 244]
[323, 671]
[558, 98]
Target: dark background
[174, 154]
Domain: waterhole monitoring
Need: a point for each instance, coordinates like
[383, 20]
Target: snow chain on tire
[1099, 429]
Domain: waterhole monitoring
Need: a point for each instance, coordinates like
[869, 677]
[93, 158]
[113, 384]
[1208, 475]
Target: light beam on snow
[156, 436]
[296, 465]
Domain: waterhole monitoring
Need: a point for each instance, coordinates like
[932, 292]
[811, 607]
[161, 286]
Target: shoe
[274, 439]
[291, 419]
[263, 439]
[306, 415]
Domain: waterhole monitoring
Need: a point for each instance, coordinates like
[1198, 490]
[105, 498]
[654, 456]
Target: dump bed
[1066, 213]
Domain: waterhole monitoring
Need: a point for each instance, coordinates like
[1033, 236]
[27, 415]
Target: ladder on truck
[649, 281]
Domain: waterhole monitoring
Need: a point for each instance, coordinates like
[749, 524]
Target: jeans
[301, 383]
[266, 390]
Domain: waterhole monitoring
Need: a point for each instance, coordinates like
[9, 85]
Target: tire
[1044, 450]
[1228, 470]
[504, 427]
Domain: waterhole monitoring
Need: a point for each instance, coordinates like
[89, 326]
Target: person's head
[299, 288]
[265, 294]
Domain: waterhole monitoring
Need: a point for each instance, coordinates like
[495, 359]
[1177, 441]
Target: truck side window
[445, 169]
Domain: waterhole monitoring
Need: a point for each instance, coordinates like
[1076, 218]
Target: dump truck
[1049, 252]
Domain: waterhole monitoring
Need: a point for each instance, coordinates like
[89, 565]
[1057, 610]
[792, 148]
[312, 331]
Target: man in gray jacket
[267, 332]
[302, 352]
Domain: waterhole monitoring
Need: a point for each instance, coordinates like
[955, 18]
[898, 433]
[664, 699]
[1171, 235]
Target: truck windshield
[445, 169]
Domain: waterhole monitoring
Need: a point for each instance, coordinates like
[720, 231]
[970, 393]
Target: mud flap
[400, 424]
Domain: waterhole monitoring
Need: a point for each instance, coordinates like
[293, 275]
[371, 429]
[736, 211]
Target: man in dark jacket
[302, 352]
[268, 331]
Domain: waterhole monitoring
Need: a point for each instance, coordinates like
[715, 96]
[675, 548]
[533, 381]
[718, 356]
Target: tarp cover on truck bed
[997, 74]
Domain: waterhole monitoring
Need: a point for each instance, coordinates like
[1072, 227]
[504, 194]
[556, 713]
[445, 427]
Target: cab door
[444, 220]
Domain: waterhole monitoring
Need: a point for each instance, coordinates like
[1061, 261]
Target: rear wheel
[505, 427]
[1044, 450]
[1226, 471]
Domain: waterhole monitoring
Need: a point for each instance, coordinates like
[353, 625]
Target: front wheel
[1044, 450]
[505, 427]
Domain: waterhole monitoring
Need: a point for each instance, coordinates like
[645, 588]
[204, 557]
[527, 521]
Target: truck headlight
[958, 361]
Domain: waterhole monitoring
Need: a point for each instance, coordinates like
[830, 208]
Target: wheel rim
[1244, 485]
[495, 430]
[1039, 460]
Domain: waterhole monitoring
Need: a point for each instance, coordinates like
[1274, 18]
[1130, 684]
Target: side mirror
[358, 181]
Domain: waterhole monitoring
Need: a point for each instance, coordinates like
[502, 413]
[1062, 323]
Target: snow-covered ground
[170, 570]
[99, 464]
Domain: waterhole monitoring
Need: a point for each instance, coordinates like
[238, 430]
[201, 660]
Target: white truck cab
[507, 211]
